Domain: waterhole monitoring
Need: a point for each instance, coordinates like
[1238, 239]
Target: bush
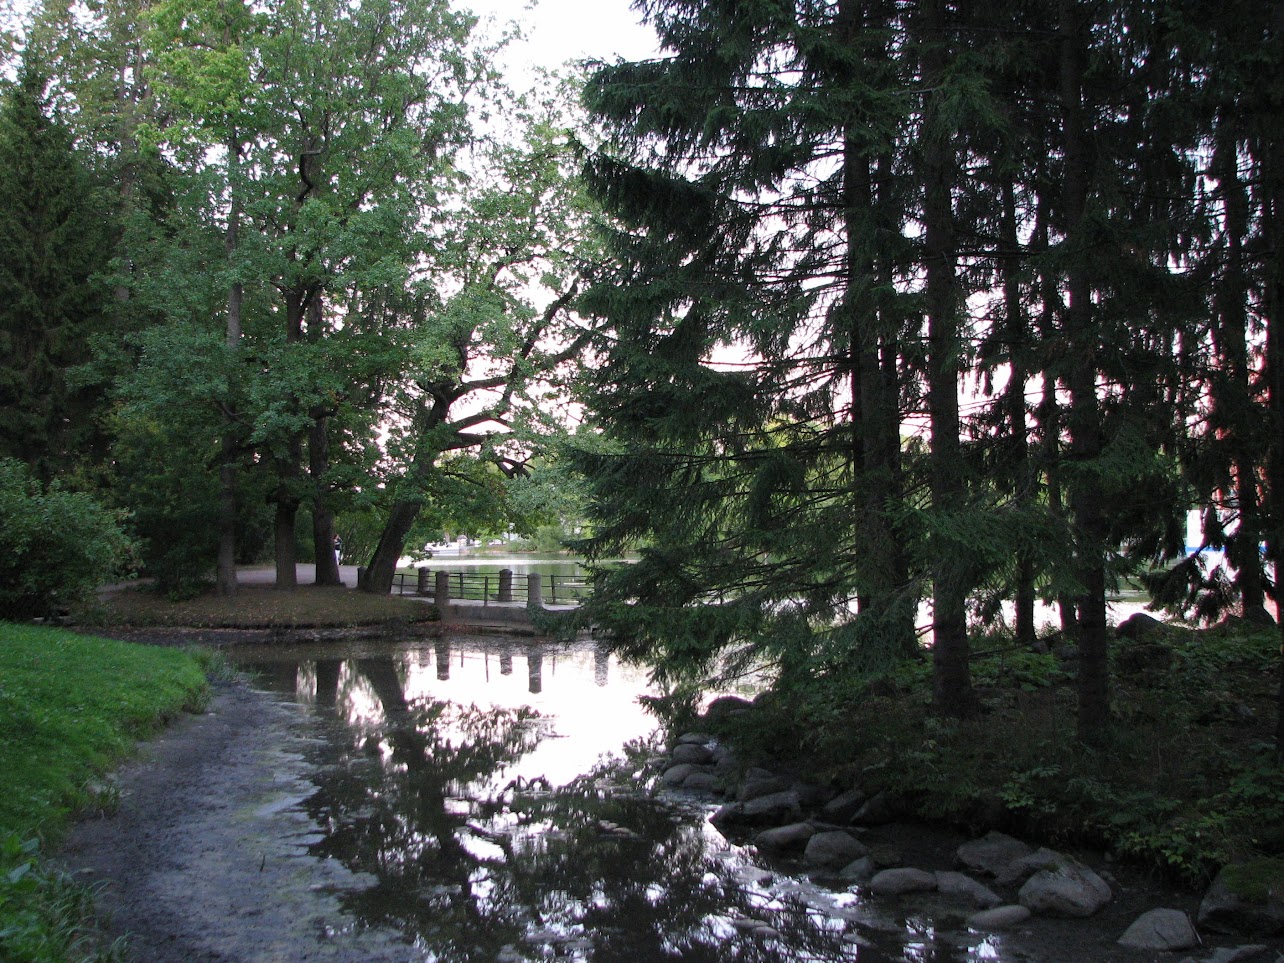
[56, 546]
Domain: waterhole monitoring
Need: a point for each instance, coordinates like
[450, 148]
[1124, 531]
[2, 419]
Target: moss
[1256, 880]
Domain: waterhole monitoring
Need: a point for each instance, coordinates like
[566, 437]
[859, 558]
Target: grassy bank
[258, 607]
[71, 706]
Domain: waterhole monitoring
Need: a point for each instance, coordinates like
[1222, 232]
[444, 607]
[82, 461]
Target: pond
[462, 775]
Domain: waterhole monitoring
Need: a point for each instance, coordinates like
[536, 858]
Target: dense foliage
[56, 546]
[947, 302]
[274, 266]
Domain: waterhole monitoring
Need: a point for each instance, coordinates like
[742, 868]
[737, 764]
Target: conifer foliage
[913, 302]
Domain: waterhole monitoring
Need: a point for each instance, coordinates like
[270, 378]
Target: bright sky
[561, 30]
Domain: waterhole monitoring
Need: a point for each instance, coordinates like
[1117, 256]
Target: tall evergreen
[752, 384]
[54, 242]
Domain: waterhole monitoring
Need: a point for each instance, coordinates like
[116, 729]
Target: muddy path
[206, 857]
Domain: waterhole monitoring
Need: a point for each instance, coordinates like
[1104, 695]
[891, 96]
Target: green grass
[71, 706]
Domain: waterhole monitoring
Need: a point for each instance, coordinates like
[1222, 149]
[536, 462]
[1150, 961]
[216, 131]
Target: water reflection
[480, 848]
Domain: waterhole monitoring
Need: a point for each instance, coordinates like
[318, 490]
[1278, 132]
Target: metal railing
[491, 587]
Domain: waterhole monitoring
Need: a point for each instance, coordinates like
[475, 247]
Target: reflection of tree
[464, 870]
[405, 819]
[651, 890]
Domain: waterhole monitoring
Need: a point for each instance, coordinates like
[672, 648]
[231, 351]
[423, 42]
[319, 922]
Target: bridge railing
[500, 588]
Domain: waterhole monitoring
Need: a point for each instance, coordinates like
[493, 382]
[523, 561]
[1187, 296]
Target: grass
[71, 706]
[258, 607]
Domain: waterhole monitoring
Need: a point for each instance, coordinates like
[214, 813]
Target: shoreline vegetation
[1185, 785]
[71, 708]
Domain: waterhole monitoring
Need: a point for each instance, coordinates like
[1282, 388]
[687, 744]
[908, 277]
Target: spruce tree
[752, 384]
[54, 241]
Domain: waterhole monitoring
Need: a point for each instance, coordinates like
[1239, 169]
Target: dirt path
[206, 859]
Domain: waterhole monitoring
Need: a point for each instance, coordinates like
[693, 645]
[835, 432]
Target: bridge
[503, 597]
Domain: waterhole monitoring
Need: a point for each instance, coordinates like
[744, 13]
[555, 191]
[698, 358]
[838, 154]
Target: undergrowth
[1185, 783]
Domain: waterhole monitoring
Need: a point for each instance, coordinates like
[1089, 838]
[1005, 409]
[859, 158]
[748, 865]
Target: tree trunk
[323, 546]
[1084, 415]
[322, 518]
[287, 508]
[227, 510]
[952, 681]
[1232, 391]
[392, 544]
[1023, 480]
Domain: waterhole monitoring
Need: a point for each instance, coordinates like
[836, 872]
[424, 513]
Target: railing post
[534, 591]
[505, 585]
[442, 590]
[422, 587]
[485, 591]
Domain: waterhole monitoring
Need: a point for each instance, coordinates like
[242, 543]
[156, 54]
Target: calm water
[460, 775]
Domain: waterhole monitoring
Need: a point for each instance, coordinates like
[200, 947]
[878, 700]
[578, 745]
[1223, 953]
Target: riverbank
[71, 707]
[1184, 786]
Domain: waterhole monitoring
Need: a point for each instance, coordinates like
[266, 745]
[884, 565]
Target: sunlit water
[453, 773]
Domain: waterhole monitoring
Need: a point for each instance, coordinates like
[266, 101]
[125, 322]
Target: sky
[561, 30]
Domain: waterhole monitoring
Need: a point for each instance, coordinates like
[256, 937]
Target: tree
[54, 240]
[333, 129]
[756, 172]
[489, 347]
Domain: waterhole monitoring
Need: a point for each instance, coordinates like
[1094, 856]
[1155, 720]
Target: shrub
[56, 546]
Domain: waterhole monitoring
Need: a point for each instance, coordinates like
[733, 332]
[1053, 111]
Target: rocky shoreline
[994, 883]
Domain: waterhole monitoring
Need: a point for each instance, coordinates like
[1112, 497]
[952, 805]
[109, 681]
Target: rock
[894, 882]
[726, 707]
[1019, 870]
[999, 918]
[1071, 889]
[692, 753]
[677, 775]
[835, 848]
[793, 836]
[1138, 626]
[880, 809]
[695, 738]
[885, 855]
[727, 762]
[1246, 899]
[776, 809]
[992, 853]
[1161, 929]
[812, 796]
[957, 884]
[844, 806]
[701, 782]
[859, 870]
[762, 782]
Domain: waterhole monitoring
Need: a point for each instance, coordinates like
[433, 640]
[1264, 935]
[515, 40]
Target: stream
[463, 777]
